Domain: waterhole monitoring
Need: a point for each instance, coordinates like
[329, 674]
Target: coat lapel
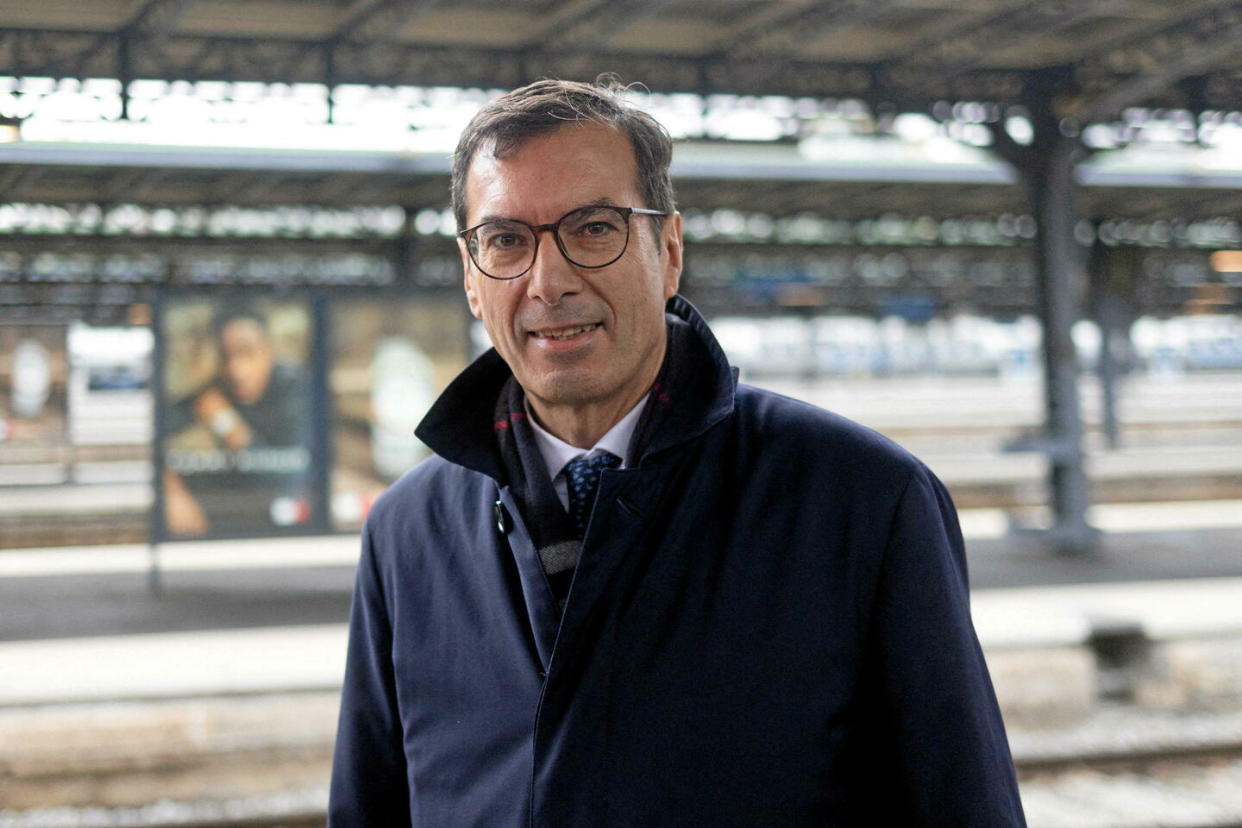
[541, 607]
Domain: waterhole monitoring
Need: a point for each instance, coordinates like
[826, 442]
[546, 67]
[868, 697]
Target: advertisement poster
[110, 392]
[389, 360]
[33, 376]
[237, 417]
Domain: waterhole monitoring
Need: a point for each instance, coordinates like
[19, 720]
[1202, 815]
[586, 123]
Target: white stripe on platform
[1052, 615]
[984, 524]
[265, 553]
[161, 665]
[283, 659]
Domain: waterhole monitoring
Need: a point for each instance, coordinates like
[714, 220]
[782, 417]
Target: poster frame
[319, 523]
[321, 304]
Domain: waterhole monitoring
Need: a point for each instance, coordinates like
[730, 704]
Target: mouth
[560, 334]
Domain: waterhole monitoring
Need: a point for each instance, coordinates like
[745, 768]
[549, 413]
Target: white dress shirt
[556, 452]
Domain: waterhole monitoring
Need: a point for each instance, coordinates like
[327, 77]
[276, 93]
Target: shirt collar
[556, 452]
[461, 426]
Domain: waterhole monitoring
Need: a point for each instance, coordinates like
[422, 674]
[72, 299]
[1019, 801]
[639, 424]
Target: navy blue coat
[769, 626]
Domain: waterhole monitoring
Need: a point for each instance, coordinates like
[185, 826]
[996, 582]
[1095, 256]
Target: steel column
[406, 251]
[1047, 168]
[1059, 264]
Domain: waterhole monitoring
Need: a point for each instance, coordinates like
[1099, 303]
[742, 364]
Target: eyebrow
[603, 201]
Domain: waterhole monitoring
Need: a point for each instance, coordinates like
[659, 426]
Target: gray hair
[546, 105]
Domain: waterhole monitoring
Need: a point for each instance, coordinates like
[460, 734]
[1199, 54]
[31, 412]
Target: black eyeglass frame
[554, 227]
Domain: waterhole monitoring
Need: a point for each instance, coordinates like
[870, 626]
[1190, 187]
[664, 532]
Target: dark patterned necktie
[582, 479]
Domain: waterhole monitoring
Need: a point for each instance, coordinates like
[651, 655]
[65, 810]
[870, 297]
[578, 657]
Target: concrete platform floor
[269, 615]
[106, 590]
[246, 639]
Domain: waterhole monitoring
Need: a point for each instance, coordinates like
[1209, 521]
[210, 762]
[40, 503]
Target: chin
[248, 396]
[568, 390]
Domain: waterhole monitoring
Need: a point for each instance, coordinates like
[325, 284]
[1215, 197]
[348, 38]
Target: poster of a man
[237, 418]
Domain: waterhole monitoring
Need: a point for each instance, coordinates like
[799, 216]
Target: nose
[551, 278]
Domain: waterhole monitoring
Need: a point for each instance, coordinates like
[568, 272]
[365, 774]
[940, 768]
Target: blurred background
[1006, 234]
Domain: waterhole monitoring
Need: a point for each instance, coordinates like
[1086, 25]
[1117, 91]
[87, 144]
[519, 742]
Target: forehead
[241, 331]
[549, 174]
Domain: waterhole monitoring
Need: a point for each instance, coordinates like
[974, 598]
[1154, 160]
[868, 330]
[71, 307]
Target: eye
[505, 240]
[596, 228]
[592, 223]
[502, 237]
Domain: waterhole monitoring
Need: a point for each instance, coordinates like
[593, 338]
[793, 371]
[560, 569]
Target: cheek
[498, 336]
[248, 371]
[496, 316]
[642, 321]
[484, 303]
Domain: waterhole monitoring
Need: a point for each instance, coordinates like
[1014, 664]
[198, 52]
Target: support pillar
[405, 251]
[1047, 169]
[1113, 277]
[124, 72]
[1106, 370]
[329, 80]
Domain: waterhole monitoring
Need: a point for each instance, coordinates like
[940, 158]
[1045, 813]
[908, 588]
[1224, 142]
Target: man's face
[245, 359]
[614, 316]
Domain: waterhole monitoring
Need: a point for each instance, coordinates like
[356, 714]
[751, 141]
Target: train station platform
[91, 623]
[1034, 635]
[216, 686]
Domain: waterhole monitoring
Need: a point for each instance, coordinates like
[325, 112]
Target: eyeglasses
[594, 236]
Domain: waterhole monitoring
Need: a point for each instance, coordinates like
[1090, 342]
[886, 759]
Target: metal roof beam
[1143, 69]
[965, 47]
[793, 27]
[1138, 89]
[1163, 60]
[234, 59]
[354, 18]
[241, 187]
[157, 18]
[1136, 52]
[144, 36]
[372, 21]
[595, 21]
[55, 54]
[132, 185]
[13, 179]
[336, 188]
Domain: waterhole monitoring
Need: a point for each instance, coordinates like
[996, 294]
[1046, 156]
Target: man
[252, 471]
[760, 620]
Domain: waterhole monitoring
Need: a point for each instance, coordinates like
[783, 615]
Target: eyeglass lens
[588, 236]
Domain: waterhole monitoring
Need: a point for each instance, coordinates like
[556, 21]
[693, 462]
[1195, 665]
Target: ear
[671, 247]
[469, 276]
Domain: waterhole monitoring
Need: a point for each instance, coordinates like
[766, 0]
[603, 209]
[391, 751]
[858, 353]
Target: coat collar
[459, 425]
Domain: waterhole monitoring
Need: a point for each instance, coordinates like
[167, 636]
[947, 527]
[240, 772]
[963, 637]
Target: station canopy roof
[774, 179]
[1149, 52]
[1100, 56]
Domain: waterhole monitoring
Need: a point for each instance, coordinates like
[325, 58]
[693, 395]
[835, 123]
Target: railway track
[1133, 760]
[1150, 793]
[171, 815]
[1126, 767]
[1142, 790]
[1141, 786]
[308, 819]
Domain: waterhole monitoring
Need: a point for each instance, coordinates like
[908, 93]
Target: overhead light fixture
[1227, 261]
[10, 129]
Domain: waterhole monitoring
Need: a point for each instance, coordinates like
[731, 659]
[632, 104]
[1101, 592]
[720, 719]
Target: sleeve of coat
[369, 782]
[945, 741]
